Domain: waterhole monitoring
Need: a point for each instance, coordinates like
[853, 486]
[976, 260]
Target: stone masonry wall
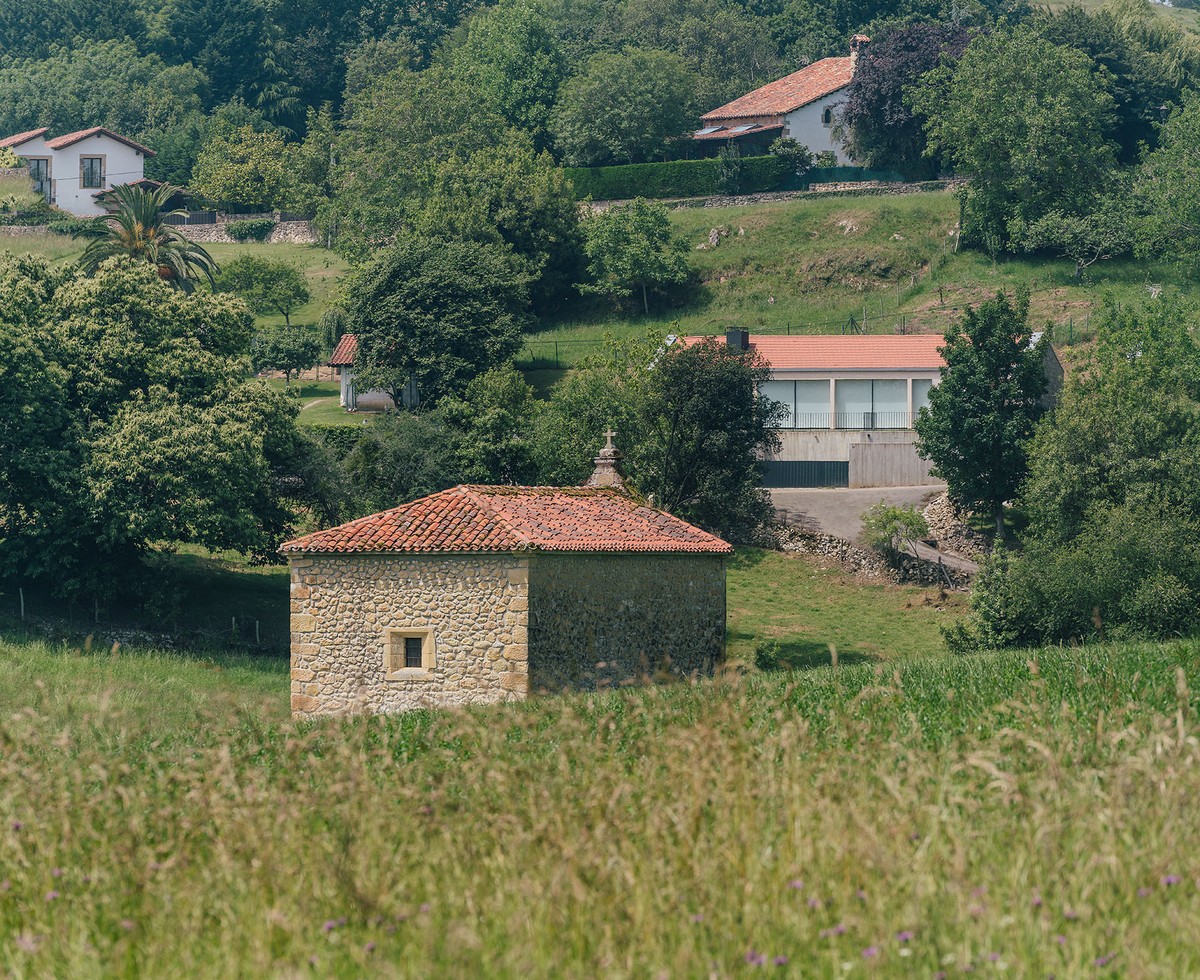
[602, 620]
[292, 232]
[343, 605]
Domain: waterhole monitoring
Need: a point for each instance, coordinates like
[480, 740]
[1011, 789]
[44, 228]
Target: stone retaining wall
[23, 231]
[907, 569]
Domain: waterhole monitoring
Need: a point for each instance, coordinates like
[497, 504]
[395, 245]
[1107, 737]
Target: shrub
[338, 440]
[677, 178]
[250, 229]
[889, 529]
[69, 225]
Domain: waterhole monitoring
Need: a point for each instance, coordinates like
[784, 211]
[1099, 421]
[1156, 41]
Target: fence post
[257, 635]
[556, 364]
[21, 593]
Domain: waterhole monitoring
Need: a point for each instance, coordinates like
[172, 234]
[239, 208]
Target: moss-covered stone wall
[602, 620]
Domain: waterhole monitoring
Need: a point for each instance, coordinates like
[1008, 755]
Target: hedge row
[340, 440]
[676, 178]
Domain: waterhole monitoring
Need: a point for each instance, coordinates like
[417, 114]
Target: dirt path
[840, 512]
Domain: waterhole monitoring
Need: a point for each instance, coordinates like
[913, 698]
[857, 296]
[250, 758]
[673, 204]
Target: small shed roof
[789, 93]
[19, 138]
[475, 519]
[848, 352]
[343, 353]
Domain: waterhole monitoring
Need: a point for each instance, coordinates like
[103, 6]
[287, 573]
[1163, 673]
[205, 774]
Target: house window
[39, 171]
[827, 117]
[409, 654]
[91, 172]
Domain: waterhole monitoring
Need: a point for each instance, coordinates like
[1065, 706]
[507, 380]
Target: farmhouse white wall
[122, 165]
[806, 126]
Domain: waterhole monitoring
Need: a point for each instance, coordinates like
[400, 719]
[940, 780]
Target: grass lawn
[322, 270]
[809, 265]
[1027, 813]
[796, 609]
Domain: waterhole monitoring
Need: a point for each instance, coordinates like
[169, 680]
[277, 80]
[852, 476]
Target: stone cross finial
[608, 466]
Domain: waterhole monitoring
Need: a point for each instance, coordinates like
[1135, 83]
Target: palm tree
[136, 227]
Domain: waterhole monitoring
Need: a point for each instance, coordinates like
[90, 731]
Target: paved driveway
[839, 511]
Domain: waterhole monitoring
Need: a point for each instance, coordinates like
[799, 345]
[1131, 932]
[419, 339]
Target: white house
[850, 402]
[73, 170]
[800, 106]
[372, 400]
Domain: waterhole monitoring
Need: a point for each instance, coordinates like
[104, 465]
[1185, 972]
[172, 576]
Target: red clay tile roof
[61, 142]
[343, 353]
[787, 94]
[477, 519]
[726, 133]
[848, 352]
[20, 138]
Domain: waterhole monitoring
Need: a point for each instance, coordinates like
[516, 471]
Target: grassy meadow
[1028, 813]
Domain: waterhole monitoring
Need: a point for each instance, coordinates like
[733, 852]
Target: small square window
[408, 654]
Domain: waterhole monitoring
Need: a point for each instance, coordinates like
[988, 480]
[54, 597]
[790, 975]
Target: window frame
[103, 161]
[395, 654]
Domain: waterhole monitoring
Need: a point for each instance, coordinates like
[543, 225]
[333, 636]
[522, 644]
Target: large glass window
[921, 388]
[783, 392]
[890, 404]
[812, 404]
[852, 399]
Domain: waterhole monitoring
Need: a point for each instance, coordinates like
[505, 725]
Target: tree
[624, 107]
[290, 350]
[1028, 122]
[1169, 186]
[709, 429]
[265, 284]
[151, 439]
[509, 195]
[245, 169]
[495, 417]
[631, 248]
[512, 59]
[795, 154]
[1104, 232]
[401, 457]
[435, 313]
[982, 413]
[881, 128]
[136, 228]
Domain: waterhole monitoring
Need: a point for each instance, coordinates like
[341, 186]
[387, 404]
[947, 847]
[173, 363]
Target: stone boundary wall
[475, 608]
[291, 232]
[13, 172]
[23, 231]
[860, 189]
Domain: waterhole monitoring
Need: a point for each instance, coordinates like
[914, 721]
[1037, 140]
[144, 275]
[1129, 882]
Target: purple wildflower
[1070, 914]
[993, 957]
[904, 936]
[1036, 901]
[56, 872]
[870, 952]
[914, 836]
[780, 961]
[814, 903]
[861, 895]
[838, 930]
[425, 906]
[329, 926]
[981, 890]
[698, 917]
[5, 885]
[940, 975]
[796, 884]
[1061, 940]
[976, 911]
[1168, 880]
[17, 825]
[51, 896]
[1104, 960]
[127, 925]
[369, 948]
[755, 958]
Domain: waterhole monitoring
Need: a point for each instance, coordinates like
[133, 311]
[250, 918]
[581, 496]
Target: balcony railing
[851, 420]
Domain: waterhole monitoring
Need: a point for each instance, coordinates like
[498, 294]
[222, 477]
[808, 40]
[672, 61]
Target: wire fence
[243, 631]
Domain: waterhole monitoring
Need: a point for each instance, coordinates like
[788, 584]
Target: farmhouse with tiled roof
[76, 171]
[800, 106]
[480, 594]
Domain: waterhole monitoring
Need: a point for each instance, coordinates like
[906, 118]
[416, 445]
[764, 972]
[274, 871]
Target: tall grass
[1029, 812]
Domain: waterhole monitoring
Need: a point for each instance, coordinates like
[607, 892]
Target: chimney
[738, 339]
[858, 44]
[608, 466]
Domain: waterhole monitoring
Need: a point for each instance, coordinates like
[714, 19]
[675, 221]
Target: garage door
[807, 473]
